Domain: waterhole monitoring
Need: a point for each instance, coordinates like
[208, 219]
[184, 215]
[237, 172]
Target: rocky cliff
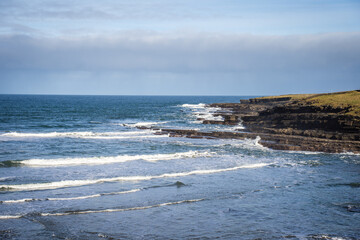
[303, 122]
[314, 122]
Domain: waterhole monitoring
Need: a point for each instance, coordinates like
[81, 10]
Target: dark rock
[283, 124]
[353, 208]
[286, 124]
[179, 184]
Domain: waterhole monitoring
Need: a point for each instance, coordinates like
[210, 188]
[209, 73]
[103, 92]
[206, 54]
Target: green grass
[350, 100]
[292, 96]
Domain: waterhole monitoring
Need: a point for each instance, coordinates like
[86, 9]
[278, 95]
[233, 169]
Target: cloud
[187, 53]
[59, 18]
[178, 47]
[107, 9]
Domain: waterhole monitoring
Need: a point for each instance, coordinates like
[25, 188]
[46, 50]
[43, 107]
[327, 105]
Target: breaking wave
[77, 183]
[252, 144]
[177, 184]
[60, 162]
[5, 179]
[121, 209]
[10, 216]
[143, 124]
[21, 200]
[68, 199]
[200, 105]
[85, 135]
[106, 210]
[202, 112]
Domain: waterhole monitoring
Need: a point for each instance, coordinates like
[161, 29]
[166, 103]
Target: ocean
[77, 167]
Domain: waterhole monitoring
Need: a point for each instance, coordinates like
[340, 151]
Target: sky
[179, 47]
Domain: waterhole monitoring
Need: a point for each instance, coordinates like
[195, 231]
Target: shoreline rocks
[274, 141]
[301, 122]
[310, 122]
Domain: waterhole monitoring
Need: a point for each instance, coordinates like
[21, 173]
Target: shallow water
[76, 167]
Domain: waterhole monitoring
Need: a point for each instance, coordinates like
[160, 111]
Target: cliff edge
[327, 122]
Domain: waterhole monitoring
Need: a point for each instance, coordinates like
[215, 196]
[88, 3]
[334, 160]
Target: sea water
[77, 167]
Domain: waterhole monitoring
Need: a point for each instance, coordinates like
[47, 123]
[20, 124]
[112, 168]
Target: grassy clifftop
[349, 101]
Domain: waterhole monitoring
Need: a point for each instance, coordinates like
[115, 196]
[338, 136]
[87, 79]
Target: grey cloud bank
[218, 53]
[190, 64]
[207, 47]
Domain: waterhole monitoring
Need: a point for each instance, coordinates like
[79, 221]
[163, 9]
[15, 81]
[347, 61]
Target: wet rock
[286, 124]
[179, 184]
[353, 208]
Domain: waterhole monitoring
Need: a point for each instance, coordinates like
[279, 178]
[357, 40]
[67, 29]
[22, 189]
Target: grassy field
[349, 100]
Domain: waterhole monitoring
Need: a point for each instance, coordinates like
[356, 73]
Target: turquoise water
[76, 167]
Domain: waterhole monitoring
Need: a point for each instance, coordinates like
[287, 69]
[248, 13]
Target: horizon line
[135, 95]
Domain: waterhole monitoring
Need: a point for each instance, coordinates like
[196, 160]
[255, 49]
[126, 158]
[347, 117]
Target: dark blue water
[76, 167]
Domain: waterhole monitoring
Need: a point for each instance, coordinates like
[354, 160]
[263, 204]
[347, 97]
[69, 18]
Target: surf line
[177, 184]
[106, 210]
[121, 209]
[63, 162]
[104, 135]
[76, 183]
[70, 198]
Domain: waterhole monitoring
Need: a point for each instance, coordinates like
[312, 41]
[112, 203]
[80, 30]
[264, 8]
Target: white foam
[254, 143]
[349, 153]
[207, 115]
[21, 200]
[239, 126]
[316, 153]
[94, 195]
[107, 210]
[257, 140]
[200, 105]
[144, 124]
[202, 111]
[121, 209]
[329, 237]
[70, 198]
[226, 128]
[303, 152]
[3, 179]
[127, 137]
[75, 198]
[242, 143]
[48, 135]
[77, 183]
[86, 135]
[10, 216]
[197, 121]
[108, 160]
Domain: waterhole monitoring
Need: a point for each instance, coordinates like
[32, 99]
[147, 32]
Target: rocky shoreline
[313, 122]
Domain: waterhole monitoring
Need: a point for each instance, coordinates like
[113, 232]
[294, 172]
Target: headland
[328, 122]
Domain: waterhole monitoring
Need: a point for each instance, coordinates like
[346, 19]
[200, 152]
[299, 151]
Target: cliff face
[331, 120]
[310, 122]
[304, 120]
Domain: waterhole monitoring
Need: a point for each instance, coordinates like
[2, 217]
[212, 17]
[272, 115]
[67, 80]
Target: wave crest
[86, 135]
[106, 210]
[61, 162]
[77, 183]
[200, 105]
